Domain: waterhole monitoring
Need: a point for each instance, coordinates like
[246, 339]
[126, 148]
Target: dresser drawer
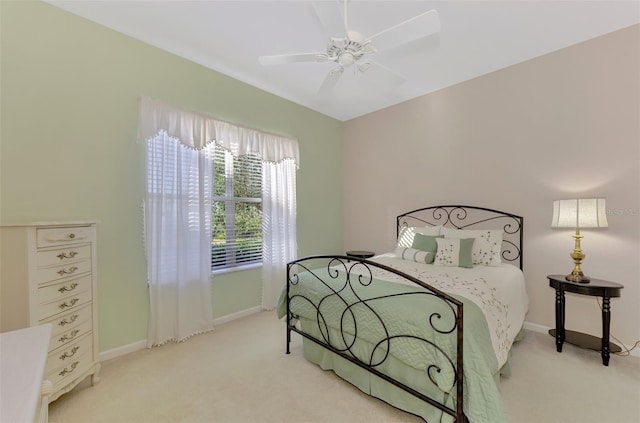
[69, 335]
[50, 309]
[67, 354]
[65, 322]
[63, 255]
[63, 289]
[65, 374]
[49, 237]
[47, 274]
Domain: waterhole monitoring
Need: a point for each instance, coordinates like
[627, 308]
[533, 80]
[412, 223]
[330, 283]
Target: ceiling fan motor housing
[346, 51]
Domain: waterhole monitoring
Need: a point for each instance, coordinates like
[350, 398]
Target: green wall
[68, 150]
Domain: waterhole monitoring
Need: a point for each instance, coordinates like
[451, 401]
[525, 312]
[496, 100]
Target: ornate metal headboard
[471, 217]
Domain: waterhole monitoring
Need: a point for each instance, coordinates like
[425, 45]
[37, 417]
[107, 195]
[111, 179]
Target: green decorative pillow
[426, 243]
[412, 254]
[486, 248]
[454, 252]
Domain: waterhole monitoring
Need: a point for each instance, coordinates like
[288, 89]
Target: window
[237, 210]
[183, 239]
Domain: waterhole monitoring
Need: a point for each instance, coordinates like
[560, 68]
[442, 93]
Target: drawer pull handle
[69, 271]
[71, 288]
[71, 254]
[68, 321]
[73, 302]
[65, 370]
[67, 338]
[72, 235]
[74, 350]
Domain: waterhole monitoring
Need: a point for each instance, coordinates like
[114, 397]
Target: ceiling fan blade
[381, 75]
[330, 82]
[331, 18]
[417, 27]
[281, 59]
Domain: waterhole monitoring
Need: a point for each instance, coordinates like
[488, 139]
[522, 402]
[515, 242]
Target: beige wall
[559, 126]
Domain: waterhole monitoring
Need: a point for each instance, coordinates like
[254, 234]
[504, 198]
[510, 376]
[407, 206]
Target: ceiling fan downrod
[346, 20]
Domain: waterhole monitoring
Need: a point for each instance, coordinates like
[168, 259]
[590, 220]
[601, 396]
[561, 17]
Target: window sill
[235, 269]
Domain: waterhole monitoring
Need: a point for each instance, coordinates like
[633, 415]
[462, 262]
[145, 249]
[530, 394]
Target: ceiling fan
[349, 48]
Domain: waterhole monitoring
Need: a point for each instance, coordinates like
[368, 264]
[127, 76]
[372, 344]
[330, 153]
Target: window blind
[237, 210]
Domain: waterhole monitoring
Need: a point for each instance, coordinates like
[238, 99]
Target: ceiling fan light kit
[348, 47]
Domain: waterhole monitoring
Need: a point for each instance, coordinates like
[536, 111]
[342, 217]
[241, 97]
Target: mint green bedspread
[359, 312]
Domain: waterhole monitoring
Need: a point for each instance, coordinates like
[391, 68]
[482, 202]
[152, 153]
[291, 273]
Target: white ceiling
[476, 37]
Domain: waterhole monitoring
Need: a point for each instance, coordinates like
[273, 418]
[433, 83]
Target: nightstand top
[596, 287]
[363, 254]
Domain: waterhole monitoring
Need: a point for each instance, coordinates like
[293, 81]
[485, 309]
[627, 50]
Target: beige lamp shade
[579, 213]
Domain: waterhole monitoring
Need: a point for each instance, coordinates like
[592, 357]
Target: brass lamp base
[580, 278]
[577, 255]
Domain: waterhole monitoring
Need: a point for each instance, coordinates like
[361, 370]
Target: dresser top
[49, 223]
[24, 354]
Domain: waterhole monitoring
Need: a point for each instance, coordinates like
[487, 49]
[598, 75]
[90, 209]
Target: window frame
[230, 202]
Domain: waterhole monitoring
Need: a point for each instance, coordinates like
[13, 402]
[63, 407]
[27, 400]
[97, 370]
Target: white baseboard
[534, 327]
[120, 351]
[238, 315]
[140, 345]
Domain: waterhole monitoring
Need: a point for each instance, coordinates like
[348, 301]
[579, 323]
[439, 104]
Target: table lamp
[579, 213]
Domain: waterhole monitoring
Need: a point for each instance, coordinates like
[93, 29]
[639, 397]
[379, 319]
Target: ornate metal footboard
[346, 302]
[347, 305]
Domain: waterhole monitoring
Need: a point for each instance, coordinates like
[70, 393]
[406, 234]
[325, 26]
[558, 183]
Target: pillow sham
[454, 252]
[411, 254]
[426, 243]
[407, 233]
[487, 246]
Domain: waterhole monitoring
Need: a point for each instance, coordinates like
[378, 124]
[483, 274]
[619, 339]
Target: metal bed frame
[472, 217]
[358, 273]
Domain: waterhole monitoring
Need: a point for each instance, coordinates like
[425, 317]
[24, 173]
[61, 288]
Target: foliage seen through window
[237, 210]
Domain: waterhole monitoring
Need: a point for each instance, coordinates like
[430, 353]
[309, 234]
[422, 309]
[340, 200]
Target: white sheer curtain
[178, 239]
[178, 213]
[278, 228]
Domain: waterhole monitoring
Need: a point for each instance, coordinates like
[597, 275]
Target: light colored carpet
[239, 373]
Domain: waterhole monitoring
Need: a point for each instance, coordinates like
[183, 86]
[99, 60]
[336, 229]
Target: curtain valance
[196, 130]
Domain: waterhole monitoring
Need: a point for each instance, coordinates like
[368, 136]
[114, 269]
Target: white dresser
[48, 274]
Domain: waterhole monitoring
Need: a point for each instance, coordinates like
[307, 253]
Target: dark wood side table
[360, 254]
[595, 288]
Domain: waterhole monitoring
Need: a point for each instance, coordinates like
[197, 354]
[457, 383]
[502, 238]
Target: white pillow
[411, 254]
[486, 247]
[454, 252]
[405, 238]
